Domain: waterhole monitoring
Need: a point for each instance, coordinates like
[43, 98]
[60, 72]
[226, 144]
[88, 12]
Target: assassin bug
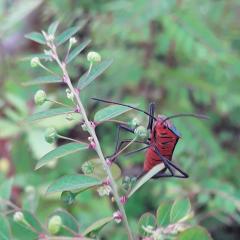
[160, 145]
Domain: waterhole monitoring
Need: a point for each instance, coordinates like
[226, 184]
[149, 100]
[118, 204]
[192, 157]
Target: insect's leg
[184, 174]
[114, 156]
[151, 112]
[137, 150]
[171, 167]
[121, 127]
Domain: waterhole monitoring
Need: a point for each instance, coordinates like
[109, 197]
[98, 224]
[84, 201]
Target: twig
[92, 132]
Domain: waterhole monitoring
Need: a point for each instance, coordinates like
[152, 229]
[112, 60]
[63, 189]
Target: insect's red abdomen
[164, 139]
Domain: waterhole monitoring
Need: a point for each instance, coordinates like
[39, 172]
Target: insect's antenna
[125, 105]
[200, 116]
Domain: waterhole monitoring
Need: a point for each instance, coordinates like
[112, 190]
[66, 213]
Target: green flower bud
[35, 62]
[88, 168]
[70, 94]
[84, 127]
[4, 165]
[141, 132]
[29, 189]
[40, 97]
[69, 117]
[67, 197]
[135, 122]
[18, 217]
[50, 135]
[94, 57]
[104, 190]
[54, 224]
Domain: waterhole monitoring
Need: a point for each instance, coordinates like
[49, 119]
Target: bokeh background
[181, 54]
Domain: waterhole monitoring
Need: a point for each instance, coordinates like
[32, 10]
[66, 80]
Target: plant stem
[92, 132]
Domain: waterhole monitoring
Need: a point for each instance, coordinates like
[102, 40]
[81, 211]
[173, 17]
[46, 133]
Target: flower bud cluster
[50, 135]
[54, 224]
[94, 57]
[40, 97]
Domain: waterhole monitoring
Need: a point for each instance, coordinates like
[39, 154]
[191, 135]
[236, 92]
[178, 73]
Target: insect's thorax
[164, 137]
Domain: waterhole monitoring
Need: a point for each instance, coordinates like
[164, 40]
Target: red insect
[160, 145]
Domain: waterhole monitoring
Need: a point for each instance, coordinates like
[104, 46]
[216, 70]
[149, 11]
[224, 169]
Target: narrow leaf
[96, 71]
[73, 182]
[146, 178]
[41, 56]
[61, 151]
[36, 37]
[97, 226]
[4, 229]
[64, 36]
[77, 50]
[53, 28]
[163, 214]
[49, 113]
[147, 219]
[180, 208]
[196, 233]
[8, 128]
[6, 189]
[111, 112]
[43, 80]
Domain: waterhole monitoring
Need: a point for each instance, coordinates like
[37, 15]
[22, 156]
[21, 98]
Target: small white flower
[117, 216]
[35, 62]
[51, 37]
[72, 41]
[104, 190]
[18, 216]
[70, 94]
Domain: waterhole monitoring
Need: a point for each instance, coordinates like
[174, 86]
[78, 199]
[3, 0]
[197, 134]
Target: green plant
[97, 174]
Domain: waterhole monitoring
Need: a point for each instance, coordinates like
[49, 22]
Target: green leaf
[96, 71]
[163, 214]
[6, 189]
[77, 50]
[36, 37]
[43, 80]
[61, 151]
[73, 182]
[53, 28]
[146, 220]
[146, 178]
[97, 226]
[196, 233]
[64, 36]
[4, 229]
[49, 113]
[8, 128]
[181, 207]
[111, 112]
[41, 56]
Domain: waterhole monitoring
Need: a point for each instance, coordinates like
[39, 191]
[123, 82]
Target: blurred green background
[181, 54]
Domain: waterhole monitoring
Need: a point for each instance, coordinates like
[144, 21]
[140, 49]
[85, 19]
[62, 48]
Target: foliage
[183, 55]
